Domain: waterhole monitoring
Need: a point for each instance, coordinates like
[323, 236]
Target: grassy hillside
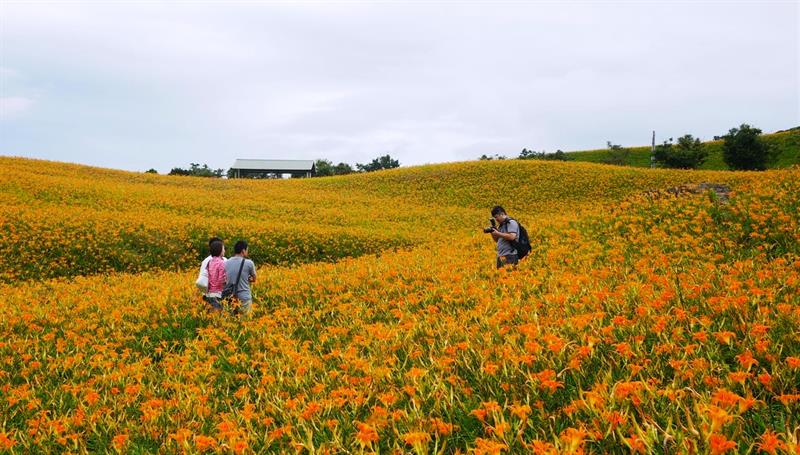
[642, 322]
[78, 220]
[786, 143]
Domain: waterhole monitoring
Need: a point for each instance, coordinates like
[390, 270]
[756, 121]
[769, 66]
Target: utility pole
[653, 151]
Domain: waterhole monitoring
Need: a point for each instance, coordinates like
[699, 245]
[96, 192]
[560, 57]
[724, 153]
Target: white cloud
[13, 106]
[176, 83]
[7, 74]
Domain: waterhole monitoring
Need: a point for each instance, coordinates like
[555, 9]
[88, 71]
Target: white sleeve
[204, 266]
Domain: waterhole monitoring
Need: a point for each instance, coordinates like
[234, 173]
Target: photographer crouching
[504, 231]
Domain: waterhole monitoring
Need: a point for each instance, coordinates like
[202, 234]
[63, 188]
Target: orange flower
[366, 435]
[746, 360]
[720, 444]
[479, 414]
[120, 441]
[181, 436]
[203, 443]
[490, 368]
[573, 438]
[92, 397]
[636, 444]
[489, 447]
[725, 398]
[624, 349]
[416, 438]
[719, 417]
[739, 376]
[725, 337]
[521, 411]
[6, 442]
[441, 427]
[770, 443]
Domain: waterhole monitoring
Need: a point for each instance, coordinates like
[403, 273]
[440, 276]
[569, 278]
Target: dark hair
[216, 248]
[496, 210]
[240, 246]
[212, 240]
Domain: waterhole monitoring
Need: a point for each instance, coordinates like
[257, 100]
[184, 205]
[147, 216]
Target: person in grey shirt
[504, 234]
[248, 275]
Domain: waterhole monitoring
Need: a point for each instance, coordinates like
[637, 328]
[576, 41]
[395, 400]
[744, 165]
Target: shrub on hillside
[326, 168]
[744, 149]
[197, 171]
[688, 153]
[323, 168]
[617, 155]
[342, 169]
[379, 163]
[558, 155]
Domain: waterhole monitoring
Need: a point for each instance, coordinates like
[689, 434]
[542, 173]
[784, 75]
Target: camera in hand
[488, 230]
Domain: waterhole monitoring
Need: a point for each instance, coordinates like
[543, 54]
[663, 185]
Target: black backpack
[522, 243]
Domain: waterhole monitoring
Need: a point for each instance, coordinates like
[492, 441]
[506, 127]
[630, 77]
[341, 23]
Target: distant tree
[151, 171]
[555, 156]
[197, 171]
[617, 155]
[343, 169]
[559, 155]
[323, 168]
[179, 171]
[380, 163]
[689, 153]
[744, 149]
[492, 157]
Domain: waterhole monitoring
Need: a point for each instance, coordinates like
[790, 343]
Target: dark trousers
[214, 302]
[509, 259]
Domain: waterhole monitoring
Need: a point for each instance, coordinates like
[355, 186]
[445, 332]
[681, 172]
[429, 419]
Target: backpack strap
[238, 277]
[518, 233]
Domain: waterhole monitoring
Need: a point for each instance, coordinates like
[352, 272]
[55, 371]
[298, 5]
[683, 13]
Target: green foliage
[196, 170]
[785, 144]
[485, 157]
[343, 169]
[617, 155]
[689, 153]
[323, 168]
[743, 149]
[327, 168]
[151, 171]
[380, 163]
[558, 155]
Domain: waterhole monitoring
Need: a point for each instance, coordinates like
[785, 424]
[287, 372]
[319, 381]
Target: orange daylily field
[641, 322]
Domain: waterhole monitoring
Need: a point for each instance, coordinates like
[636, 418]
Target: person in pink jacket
[216, 276]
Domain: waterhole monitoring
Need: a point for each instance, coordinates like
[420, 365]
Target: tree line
[326, 168]
[323, 168]
[743, 148]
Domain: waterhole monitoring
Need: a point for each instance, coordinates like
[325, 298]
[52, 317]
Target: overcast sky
[142, 84]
